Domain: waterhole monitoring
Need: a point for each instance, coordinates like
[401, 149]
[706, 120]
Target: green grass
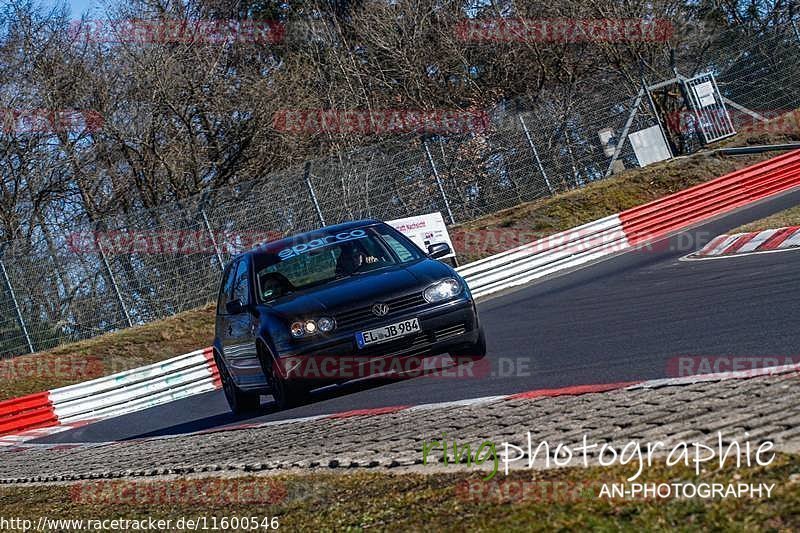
[110, 353]
[782, 219]
[431, 502]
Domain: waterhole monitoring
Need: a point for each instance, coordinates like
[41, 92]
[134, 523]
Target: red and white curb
[755, 242]
[45, 413]
[575, 390]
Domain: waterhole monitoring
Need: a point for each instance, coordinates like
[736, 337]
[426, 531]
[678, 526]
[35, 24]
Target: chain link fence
[78, 280]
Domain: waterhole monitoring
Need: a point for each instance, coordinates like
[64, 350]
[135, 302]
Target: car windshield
[329, 257]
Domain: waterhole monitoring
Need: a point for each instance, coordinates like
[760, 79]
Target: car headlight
[325, 324]
[301, 328]
[442, 290]
[298, 329]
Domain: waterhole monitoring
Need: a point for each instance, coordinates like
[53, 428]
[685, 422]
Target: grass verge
[787, 217]
[194, 329]
[558, 499]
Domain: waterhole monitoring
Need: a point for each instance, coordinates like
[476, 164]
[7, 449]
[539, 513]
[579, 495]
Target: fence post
[439, 182]
[536, 154]
[796, 31]
[307, 176]
[16, 306]
[624, 135]
[213, 240]
[113, 280]
[654, 110]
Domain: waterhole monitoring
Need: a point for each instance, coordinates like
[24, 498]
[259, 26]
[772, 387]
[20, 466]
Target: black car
[292, 313]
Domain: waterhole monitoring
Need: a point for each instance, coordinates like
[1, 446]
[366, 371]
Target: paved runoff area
[716, 412]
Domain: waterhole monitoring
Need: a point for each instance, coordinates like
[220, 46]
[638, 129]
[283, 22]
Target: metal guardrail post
[113, 280]
[213, 240]
[307, 176]
[439, 182]
[535, 154]
[16, 306]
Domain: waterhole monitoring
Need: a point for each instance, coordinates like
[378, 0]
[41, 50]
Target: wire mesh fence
[79, 279]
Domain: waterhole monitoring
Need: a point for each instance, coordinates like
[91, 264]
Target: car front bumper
[443, 328]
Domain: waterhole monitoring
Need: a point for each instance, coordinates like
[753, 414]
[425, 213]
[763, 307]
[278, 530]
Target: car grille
[364, 315]
[450, 332]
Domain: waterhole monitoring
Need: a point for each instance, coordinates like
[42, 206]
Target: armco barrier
[710, 199]
[633, 227]
[114, 395]
[195, 373]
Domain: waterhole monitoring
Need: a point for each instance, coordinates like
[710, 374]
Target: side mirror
[439, 250]
[235, 307]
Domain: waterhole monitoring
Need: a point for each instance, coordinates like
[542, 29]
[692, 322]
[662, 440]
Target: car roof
[275, 246]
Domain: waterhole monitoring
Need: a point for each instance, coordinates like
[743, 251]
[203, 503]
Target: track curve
[622, 319]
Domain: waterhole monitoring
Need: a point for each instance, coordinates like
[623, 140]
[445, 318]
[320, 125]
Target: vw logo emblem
[380, 309]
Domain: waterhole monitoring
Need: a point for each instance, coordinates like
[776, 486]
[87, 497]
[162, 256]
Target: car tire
[472, 352]
[240, 402]
[285, 392]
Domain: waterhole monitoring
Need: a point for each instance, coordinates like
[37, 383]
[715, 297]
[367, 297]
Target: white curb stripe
[758, 240]
[794, 240]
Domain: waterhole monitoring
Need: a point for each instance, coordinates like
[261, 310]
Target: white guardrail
[136, 389]
[561, 251]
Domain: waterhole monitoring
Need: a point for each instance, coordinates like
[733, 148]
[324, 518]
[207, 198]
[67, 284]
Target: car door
[225, 293]
[242, 329]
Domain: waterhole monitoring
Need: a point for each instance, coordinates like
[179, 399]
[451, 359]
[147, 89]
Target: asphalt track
[622, 319]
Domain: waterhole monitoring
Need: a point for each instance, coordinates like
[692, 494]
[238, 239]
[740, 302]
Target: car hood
[362, 289]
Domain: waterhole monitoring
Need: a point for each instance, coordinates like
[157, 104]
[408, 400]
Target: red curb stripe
[777, 239]
[370, 412]
[708, 248]
[572, 391]
[212, 366]
[738, 243]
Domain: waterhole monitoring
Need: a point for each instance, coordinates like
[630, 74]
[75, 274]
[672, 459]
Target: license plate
[387, 333]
